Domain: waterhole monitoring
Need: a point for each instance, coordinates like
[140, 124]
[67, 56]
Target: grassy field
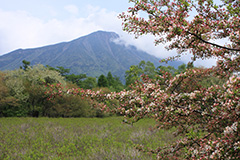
[77, 138]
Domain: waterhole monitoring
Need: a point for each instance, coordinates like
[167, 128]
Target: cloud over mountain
[94, 54]
[66, 21]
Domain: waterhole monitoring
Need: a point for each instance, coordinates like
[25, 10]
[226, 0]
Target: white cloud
[72, 9]
[146, 43]
[19, 29]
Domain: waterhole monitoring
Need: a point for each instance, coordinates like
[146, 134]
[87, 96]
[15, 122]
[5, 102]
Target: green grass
[77, 138]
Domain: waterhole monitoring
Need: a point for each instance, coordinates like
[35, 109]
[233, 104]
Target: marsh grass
[78, 138]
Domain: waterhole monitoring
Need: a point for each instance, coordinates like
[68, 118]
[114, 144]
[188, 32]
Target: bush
[27, 87]
[70, 106]
[8, 104]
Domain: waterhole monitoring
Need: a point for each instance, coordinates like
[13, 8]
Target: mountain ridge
[93, 54]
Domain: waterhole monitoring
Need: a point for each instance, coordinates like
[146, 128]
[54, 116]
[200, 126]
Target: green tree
[169, 69]
[102, 81]
[76, 79]
[8, 104]
[173, 71]
[63, 71]
[110, 79]
[26, 65]
[133, 74]
[135, 71]
[117, 85]
[181, 68]
[149, 69]
[89, 83]
[28, 87]
[73, 78]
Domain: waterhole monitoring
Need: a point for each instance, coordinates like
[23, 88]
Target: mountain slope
[93, 55]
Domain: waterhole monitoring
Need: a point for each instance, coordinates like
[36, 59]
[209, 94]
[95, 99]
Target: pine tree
[102, 81]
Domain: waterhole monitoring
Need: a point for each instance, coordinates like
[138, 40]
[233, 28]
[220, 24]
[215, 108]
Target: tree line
[23, 91]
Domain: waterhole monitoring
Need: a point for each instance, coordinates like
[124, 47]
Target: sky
[35, 23]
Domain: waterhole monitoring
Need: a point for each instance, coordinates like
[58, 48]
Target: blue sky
[35, 23]
[60, 9]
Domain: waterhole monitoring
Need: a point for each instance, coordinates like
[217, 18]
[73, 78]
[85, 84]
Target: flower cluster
[214, 112]
[170, 21]
[182, 101]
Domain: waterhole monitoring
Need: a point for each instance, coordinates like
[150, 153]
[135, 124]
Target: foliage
[70, 106]
[102, 81]
[28, 87]
[110, 79]
[89, 83]
[63, 101]
[135, 71]
[25, 66]
[81, 79]
[63, 71]
[26, 93]
[8, 104]
[77, 79]
[169, 69]
[85, 82]
[114, 83]
[117, 84]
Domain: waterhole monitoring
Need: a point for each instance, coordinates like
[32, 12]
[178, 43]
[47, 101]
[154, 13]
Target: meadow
[78, 138]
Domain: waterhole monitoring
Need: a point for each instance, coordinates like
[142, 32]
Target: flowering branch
[213, 44]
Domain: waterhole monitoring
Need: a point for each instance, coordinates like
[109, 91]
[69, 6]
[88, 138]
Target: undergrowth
[78, 138]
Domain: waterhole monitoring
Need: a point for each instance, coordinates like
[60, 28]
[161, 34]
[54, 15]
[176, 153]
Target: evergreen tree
[110, 79]
[102, 81]
[76, 79]
[25, 66]
[117, 85]
[63, 71]
[89, 83]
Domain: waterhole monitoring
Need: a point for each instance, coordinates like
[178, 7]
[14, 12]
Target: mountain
[94, 54]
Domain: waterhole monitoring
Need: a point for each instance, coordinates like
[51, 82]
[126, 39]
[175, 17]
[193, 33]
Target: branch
[213, 44]
[178, 84]
[231, 49]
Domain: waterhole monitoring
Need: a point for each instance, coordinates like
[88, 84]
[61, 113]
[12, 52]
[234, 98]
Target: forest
[24, 91]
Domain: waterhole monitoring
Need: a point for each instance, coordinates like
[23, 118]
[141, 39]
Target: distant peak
[104, 33]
